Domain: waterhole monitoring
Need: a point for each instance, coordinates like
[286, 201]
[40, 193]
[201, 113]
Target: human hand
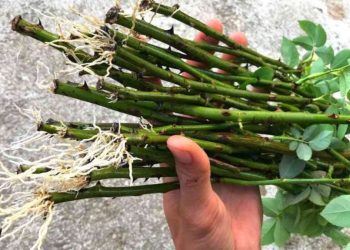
[205, 216]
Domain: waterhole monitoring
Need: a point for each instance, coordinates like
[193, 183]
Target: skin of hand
[208, 216]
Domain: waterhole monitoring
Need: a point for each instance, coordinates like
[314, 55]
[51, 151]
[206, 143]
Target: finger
[167, 179]
[153, 80]
[239, 38]
[193, 171]
[214, 24]
[201, 37]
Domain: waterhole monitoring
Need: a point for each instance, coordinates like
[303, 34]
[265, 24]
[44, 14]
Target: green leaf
[289, 52]
[326, 54]
[347, 246]
[309, 225]
[290, 166]
[316, 197]
[328, 86]
[317, 66]
[316, 32]
[338, 144]
[265, 73]
[304, 41]
[295, 199]
[293, 145]
[304, 152]
[267, 231]
[319, 136]
[342, 130]
[271, 207]
[281, 234]
[295, 132]
[344, 84]
[337, 212]
[336, 235]
[340, 59]
[324, 190]
[290, 218]
[322, 140]
[310, 132]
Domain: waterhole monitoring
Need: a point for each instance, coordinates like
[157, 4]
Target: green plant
[293, 136]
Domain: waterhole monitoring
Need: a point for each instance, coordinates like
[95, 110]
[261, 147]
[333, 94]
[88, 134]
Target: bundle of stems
[289, 135]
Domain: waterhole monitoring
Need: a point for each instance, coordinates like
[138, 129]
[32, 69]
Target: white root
[25, 196]
[68, 164]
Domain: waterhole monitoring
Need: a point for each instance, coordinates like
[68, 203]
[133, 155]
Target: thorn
[50, 121]
[19, 170]
[98, 184]
[115, 127]
[170, 31]
[104, 28]
[333, 116]
[40, 24]
[146, 179]
[169, 48]
[45, 215]
[85, 86]
[72, 37]
[140, 74]
[99, 84]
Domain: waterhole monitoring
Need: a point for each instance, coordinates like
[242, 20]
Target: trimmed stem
[99, 191]
[207, 88]
[177, 42]
[91, 95]
[143, 138]
[216, 114]
[186, 19]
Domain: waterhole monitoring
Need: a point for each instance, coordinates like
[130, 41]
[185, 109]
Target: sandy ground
[133, 223]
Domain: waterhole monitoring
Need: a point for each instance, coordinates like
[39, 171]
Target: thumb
[193, 170]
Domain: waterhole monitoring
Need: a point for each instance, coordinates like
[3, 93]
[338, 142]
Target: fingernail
[182, 156]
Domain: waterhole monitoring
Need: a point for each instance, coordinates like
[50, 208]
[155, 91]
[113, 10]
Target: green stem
[321, 74]
[339, 157]
[101, 191]
[215, 114]
[91, 95]
[258, 61]
[257, 143]
[207, 88]
[248, 163]
[167, 57]
[186, 19]
[137, 95]
[284, 181]
[286, 138]
[177, 42]
[140, 138]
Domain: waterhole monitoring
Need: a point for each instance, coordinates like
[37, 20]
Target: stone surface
[137, 222]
